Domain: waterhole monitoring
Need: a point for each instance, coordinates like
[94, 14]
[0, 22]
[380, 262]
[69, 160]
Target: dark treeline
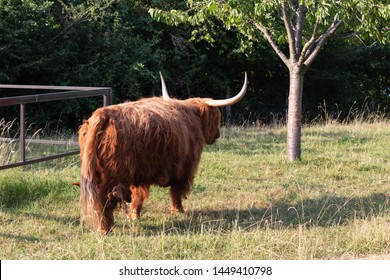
[117, 44]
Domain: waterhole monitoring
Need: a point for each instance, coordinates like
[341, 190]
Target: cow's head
[208, 108]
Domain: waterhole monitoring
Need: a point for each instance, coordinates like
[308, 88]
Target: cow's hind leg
[138, 195]
[121, 194]
[177, 193]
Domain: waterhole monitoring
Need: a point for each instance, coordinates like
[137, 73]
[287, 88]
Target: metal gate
[63, 94]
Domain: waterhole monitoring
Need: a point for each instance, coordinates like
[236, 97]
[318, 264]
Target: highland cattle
[127, 147]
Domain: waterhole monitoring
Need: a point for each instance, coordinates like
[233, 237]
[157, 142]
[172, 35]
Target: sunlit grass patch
[246, 203]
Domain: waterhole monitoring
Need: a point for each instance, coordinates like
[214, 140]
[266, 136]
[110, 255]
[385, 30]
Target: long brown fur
[137, 144]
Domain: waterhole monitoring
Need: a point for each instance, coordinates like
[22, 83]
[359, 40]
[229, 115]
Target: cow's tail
[92, 200]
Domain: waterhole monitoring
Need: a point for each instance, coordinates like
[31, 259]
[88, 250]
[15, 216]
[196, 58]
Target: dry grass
[246, 203]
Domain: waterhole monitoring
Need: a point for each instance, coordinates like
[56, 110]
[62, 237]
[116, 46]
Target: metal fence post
[107, 98]
[22, 139]
[66, 93]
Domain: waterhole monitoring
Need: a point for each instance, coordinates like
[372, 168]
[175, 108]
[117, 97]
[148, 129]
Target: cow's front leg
[138, 195]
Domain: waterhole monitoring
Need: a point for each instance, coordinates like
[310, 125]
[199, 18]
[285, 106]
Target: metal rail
[70, 92]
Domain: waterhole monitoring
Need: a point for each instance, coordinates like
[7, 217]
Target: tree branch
[293, 6]
[322, 40]
[349, 35]
[308, 44]
[301, 15]
[270, 40]
[290, 32]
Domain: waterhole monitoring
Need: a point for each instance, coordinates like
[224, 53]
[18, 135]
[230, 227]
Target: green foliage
[104, 43]
[284, 23]
[24, 26]
[368, 19]
[363, 21]
[116, 43]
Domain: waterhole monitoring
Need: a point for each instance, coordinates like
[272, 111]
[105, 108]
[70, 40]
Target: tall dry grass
[246, 203]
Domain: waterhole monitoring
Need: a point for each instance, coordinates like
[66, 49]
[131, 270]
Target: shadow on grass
[65, 220]
[18, 194]
[327, 211]
[249, 146]
[14, 195]
[21, 238]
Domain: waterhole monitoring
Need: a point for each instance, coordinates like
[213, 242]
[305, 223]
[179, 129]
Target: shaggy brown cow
[151, 141]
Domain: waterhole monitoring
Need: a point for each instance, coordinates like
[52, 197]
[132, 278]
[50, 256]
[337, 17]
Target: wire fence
[63, 93]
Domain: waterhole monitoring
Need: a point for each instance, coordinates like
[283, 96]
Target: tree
[90, 43]
[24, 25]
[296, 31]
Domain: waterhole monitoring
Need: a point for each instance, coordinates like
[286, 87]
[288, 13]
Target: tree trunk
[294, 117]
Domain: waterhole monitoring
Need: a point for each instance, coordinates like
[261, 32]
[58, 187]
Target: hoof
[133, 216]
[177, 211]
[104, 231]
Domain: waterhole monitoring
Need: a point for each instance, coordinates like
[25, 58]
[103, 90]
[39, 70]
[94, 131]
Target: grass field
[246, 203]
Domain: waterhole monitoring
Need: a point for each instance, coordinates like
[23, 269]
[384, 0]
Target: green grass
[246, 203]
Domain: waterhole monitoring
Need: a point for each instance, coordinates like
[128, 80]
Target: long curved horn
[164, 88]
[232, 100]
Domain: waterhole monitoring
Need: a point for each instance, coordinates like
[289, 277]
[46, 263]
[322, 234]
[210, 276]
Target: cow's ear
[211, 118]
